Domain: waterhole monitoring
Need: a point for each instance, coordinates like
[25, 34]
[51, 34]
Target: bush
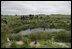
[13, 45]
[16, 37]
[19, 37]
[63, 36]
[26, 40]
[40, 36]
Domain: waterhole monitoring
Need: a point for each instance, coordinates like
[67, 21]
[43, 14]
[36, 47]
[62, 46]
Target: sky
[35, 7]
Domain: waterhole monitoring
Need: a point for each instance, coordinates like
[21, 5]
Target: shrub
[63, 36]
[19, 37]
[13, 45]
[40, 36]
[16, 37]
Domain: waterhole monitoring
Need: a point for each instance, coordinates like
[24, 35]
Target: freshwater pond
[28, 31]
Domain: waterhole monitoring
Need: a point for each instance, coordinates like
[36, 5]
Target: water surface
[28, 31]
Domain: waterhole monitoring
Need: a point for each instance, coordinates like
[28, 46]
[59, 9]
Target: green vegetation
[15, 24]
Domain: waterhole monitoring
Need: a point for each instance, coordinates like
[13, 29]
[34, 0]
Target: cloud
[35, 7]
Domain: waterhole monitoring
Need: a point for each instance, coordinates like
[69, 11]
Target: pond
[28, 31]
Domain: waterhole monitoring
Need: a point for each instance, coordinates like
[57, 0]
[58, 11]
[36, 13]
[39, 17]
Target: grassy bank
[44, 38]
[15, 24]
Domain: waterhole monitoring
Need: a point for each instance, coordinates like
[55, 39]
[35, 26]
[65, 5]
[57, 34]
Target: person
[5, 21]
[44, 28]
[21, 17]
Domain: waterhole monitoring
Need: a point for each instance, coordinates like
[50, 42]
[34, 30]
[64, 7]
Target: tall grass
[15, 24]
[58, 36]
[63, 37]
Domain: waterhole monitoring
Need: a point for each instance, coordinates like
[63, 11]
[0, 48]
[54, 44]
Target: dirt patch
[59, 43]
[19, 42]
[33, 44]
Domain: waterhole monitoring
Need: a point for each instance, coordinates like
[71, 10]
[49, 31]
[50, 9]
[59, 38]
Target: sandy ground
[38, 44]
[33, 44]
[59, 43]
[19, 42]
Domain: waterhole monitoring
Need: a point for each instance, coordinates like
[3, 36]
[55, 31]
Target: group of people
[22, 17]
[26, 17]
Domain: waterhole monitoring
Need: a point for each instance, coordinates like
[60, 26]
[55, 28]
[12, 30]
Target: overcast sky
[35, 7]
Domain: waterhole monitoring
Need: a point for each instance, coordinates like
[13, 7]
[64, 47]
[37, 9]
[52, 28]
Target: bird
[8, 39]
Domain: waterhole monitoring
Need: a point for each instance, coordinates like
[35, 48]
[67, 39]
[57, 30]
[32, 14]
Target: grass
[44, 38]
[15, 24]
